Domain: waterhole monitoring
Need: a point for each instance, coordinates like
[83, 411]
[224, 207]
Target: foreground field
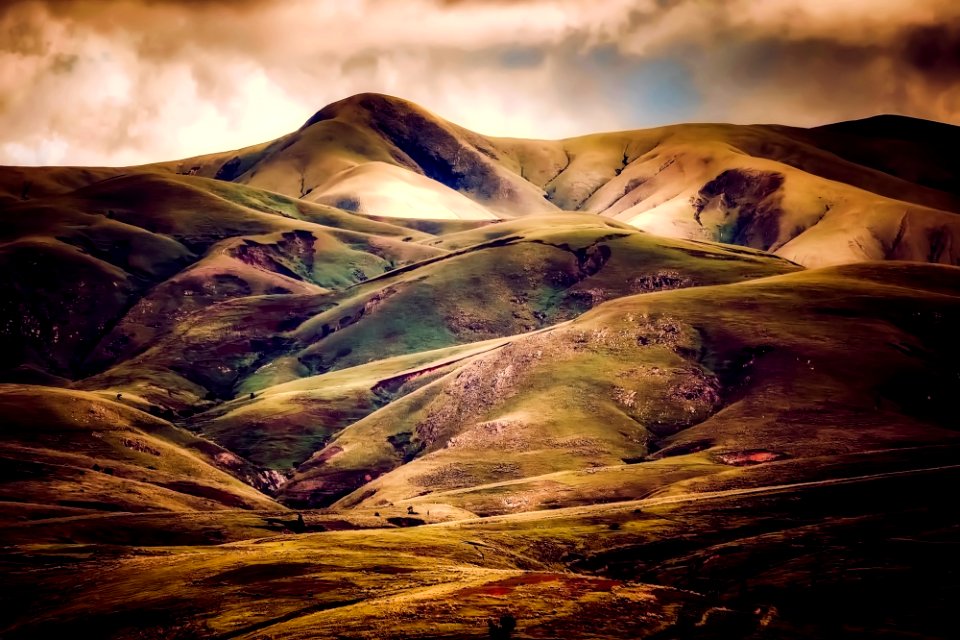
[816, 558]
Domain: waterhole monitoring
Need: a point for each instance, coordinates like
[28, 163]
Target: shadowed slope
[129, 251]
[777, 562]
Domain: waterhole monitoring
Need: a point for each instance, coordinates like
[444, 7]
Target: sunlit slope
[199, 211]
[378, 188]
[770, 188]
[815, 363]
[78, 450]
[697, 182]
[911, 167]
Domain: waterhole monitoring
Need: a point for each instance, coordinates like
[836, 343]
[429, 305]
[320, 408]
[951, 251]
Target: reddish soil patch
[583, 585]
[749, 457]
[503, 587]
[325, 454]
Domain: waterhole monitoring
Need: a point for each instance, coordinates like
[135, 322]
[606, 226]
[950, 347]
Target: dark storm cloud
[824, 74]
[934, 50]
[122, 81]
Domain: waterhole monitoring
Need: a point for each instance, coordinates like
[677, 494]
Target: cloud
[124, 81]
[934, 51]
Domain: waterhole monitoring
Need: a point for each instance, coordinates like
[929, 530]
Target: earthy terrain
[688, 382]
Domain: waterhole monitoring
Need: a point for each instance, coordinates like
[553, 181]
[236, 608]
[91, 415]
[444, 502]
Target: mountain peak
[367, 102]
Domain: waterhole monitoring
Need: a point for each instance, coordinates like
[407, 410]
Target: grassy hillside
[282, 425]
[809, 364]
[512, 283]
[18, 184]
[186, 352]
[875, 189]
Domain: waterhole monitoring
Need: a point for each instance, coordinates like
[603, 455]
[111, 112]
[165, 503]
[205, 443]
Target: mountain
[875, 189]
[686, 382]
[882, 188]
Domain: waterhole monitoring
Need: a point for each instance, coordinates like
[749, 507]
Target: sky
[120, 82]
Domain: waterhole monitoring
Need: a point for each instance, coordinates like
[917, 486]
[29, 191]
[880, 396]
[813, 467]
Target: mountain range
[686, 382]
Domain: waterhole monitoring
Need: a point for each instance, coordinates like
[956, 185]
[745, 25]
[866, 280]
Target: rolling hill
[388, 377]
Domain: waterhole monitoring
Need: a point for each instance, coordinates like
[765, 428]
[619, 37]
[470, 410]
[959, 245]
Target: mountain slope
[814, 363]
[376, 128]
